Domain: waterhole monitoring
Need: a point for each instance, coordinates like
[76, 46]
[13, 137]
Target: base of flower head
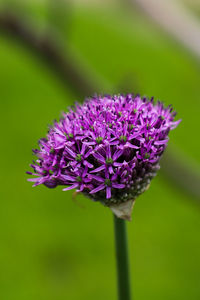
[122, 199]
[123, 210]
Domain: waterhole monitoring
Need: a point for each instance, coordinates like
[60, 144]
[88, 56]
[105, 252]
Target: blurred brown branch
[186, 177]
[176, 20]
[63, 64]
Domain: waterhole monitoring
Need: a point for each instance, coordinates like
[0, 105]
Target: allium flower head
[107, 148]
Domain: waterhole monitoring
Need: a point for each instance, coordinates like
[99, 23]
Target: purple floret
[108, 148]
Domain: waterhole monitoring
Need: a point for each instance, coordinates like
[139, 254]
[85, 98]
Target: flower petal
[70, 151]
[118, 185]
[97, 189]
[99, 169]
[73, 186]
[97, 178]
[108, 192]
[117, 154]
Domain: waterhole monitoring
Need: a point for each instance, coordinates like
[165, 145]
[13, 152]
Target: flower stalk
[121, 245]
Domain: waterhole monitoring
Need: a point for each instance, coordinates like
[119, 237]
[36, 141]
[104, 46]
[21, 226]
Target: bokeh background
[53, 52]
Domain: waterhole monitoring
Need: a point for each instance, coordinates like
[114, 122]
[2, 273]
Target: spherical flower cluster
[108, 148]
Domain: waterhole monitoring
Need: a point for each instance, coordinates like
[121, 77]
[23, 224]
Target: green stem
[122, 259]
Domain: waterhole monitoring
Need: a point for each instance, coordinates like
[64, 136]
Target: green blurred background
[52, 247]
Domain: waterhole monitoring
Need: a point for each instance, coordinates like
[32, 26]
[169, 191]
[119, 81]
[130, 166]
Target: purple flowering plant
[109, 149]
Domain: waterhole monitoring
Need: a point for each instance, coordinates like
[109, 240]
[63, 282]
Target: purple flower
[108, 148]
